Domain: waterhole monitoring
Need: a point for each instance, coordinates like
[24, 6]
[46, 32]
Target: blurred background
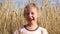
[11, 15]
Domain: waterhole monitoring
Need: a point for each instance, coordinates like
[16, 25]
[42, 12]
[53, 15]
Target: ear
[39, 14]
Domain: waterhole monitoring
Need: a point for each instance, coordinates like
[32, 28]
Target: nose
[30, 15]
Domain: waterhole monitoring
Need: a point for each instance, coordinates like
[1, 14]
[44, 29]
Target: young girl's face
[31, 15]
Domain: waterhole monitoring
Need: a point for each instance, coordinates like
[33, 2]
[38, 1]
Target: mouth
[31, 19]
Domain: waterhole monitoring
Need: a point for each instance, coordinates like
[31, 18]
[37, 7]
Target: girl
[31, 15]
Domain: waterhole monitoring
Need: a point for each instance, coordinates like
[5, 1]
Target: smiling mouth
[30, 19]
[33, 19]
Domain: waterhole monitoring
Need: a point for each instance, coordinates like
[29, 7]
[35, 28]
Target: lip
[30, 19]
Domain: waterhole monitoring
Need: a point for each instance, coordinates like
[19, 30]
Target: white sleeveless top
[38, 30]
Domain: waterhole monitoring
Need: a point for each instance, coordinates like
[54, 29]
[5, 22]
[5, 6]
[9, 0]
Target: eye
[32, 13]
[27, 13]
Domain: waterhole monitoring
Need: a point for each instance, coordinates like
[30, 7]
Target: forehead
[31, 9]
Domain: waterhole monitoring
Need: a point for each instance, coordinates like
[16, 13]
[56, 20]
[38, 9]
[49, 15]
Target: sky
[2, 0]
[38, 2]
[25, 2]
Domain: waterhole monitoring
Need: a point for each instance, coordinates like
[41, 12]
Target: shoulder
[43, 30]
[18, 30]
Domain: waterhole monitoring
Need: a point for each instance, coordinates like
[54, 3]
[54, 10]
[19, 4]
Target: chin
[31, 22]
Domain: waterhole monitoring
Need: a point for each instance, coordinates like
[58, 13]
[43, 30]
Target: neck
[32, 26]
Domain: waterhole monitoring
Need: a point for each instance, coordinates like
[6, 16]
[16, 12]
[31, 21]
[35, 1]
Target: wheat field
[12, 19]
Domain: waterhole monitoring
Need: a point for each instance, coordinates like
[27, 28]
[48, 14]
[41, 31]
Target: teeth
[33, 19]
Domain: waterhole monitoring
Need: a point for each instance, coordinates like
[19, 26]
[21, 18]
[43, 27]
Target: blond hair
[30, 5]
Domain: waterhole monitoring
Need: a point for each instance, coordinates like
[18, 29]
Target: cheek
[25, 17]
[35, 17]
